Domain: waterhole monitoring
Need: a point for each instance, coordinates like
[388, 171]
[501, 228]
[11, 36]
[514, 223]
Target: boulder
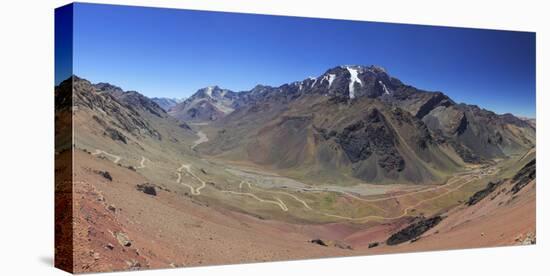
[123, 239]
[373, 244]
[147, 188]
[105, 175]
[318, 241]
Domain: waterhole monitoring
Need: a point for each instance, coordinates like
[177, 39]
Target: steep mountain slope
[106, 116]
[502, 213]
[482, 133]
[359, 122]
[476, 134]
[315, 138]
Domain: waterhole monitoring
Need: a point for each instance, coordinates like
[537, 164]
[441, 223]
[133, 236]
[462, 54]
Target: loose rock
[147, 188]
[106, 175]
[123, 239]
[373, 244]
[319, 242]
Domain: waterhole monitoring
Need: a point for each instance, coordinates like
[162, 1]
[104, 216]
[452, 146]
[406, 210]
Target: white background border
[26, 114]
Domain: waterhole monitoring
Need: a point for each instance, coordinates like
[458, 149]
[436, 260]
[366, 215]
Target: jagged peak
[73, 79]
[106, 87]
[208, 90]
[259, 88]
[363, 68]
[211, 88]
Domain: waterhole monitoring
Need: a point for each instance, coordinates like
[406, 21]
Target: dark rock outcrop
[478, 196]
[461, 128]
[437, 99]
[184, 126]
[106, 175]
[465, 153]
[524, 176]
[373, 244]
[413, 231]
[115, 135]
[147, 188]
[318, 241]
[372, 135]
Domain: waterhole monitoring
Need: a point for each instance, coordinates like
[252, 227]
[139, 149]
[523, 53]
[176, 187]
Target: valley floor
[119, 227]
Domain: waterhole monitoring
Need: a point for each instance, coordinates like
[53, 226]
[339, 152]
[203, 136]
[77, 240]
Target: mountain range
[356, 120]
[351, 124]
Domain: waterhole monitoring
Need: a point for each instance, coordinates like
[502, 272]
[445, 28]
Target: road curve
[406, 210]
[142, 163]
[276, 192]
[115, 157]
[194, 191]
[279, 202]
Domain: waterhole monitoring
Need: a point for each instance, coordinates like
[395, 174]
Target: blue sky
[172, 53]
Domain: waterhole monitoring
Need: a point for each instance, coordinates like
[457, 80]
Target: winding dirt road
[276, 192]
[142, 163]
[194, 191]
[281, 204]
[115, 157]
[389, 197]
[408, 209]
[278, 201]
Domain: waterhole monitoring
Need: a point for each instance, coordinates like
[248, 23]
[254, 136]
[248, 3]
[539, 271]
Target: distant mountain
[530, 121]
[207, 104]
[167, 103]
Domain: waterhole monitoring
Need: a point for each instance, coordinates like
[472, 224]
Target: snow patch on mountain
[352, 80]
[209, 90]
[386, 90]
[331, 78]
[314, 81]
